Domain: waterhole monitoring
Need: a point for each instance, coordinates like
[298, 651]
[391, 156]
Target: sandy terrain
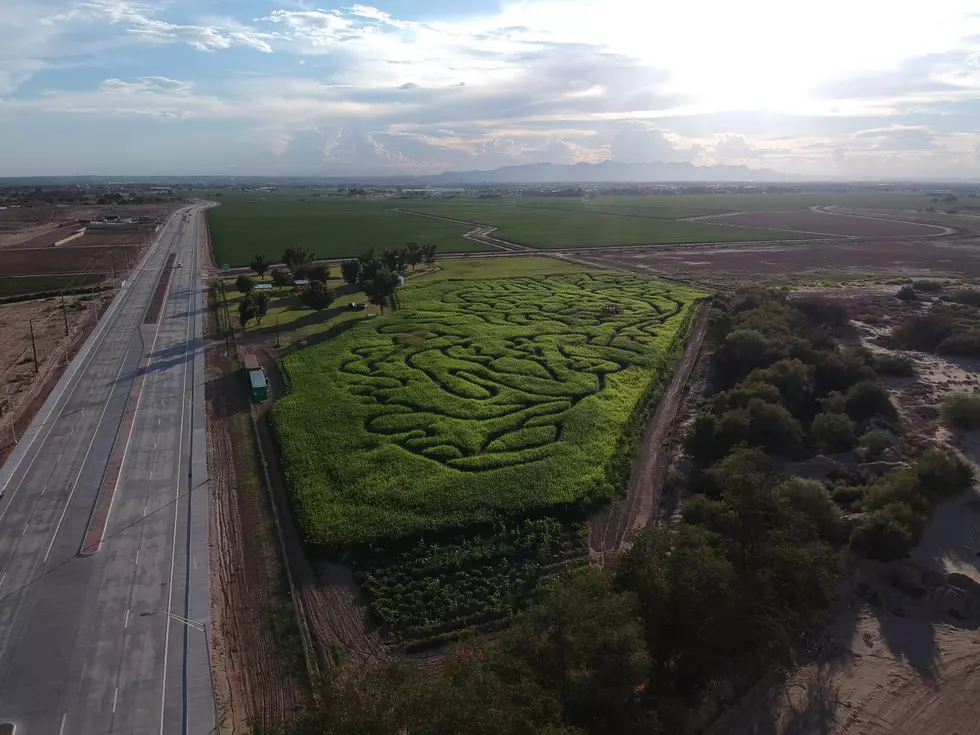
[822, 222]
[71, 258]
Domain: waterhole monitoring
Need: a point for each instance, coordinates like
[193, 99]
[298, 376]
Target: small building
[259, 385]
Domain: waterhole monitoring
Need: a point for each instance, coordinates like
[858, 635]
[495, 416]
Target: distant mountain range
[605, 172]
[532, 173]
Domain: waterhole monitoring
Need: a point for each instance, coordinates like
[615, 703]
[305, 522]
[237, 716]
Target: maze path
[486, 375]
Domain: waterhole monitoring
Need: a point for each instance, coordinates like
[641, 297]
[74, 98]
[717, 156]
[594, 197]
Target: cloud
[640, 142]
[146, 84]
[896, 138]
[735, 148]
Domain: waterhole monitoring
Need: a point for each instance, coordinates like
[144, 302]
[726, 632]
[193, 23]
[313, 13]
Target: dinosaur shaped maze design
[483, 375]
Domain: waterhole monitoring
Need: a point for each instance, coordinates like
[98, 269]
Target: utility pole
[64, 311]
[34, 347]
[10, 409]
[112, 254]
[278, 343]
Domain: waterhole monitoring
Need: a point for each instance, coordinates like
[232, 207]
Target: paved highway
[78, 655]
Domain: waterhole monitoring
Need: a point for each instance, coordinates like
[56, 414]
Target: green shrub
[867, 399]
[811, 498]
[962, 410]
[832, 432]
[961, 344]
[906, 293]
[847, 495]
[928, 286]
[882, 537]
[943, 474]
[875, 442]
[968, 296]
[896, 363]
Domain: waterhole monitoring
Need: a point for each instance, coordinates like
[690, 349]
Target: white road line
[137, 562]
[114, 698]
[25, 528]
[126, 622]
[61, 730]
[3, 578]
[81, 469]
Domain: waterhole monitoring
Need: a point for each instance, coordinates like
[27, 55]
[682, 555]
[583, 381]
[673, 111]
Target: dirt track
[255, 676]
[820, 222]
[610, 529]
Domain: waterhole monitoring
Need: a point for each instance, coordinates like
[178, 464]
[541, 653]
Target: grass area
[476, 401]
[331, 228]
[504, 267]
[20, 285]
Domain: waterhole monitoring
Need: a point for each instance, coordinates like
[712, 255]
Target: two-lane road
[77, 655]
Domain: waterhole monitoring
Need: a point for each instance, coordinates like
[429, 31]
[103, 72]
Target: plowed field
[820, 222]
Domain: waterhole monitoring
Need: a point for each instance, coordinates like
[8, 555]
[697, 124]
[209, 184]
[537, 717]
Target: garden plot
[475, 401]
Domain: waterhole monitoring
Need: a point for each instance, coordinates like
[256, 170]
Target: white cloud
[146, 84]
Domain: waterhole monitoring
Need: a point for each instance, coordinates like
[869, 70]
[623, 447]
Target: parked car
[356, 306]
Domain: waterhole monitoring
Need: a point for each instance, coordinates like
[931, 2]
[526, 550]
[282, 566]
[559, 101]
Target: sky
[869, 89]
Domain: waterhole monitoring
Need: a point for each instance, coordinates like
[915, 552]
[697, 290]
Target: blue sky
[852, 88]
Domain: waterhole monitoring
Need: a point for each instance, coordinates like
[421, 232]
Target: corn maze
[475, 401]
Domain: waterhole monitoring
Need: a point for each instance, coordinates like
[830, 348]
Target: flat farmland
[827, 223]
[242, 228]
[20, 285]
[476, 401]
[554, 224]
[44, 261]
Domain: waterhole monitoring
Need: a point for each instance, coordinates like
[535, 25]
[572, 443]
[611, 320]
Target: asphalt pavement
[79, 655]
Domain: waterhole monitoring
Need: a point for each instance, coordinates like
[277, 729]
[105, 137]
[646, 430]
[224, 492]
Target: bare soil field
[822, 222]
[26, 386]
[68, 259]
[33, 227]
[712, 265]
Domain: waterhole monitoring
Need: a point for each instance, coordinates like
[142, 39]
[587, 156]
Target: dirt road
[258, 673]
[610, 529]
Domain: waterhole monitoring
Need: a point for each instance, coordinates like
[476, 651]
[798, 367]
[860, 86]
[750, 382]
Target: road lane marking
[137, 562]
[61, 730]
[3, 578]
[126, 622]
[81, 469]
[173, 548]
[114, 698]
[25, 528]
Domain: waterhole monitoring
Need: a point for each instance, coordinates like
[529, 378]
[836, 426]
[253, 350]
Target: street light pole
[207, 645]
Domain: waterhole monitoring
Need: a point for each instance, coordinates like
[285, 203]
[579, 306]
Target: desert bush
[874, 442]
[811, 498]
[894, 363]
[928, 286]
[962, 410]
[906, 293]
[967, 296]
[847, 495]
[961, 344]
[943, 474]
[883, 537]
[832, 432]
[867, 399]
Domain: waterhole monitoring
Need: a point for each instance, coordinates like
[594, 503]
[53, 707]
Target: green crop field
[475, 401]
[339, 226]
[331, 228]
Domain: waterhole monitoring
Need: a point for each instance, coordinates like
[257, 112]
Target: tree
[742, 351]
[381, 288]
[350, 270]
[429, 254]
[260, 264]
[583, 642]
[316, 296]
[370, 264]
[832, 433]
[394, 259]
[883, 537]
[315, 272]
[244, 283]
[246, 309]
[261, 302]
[413, 254]
[281, 278]
[296, 258]
[811, 498]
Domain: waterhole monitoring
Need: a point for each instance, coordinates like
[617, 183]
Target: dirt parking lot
[822, 222]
